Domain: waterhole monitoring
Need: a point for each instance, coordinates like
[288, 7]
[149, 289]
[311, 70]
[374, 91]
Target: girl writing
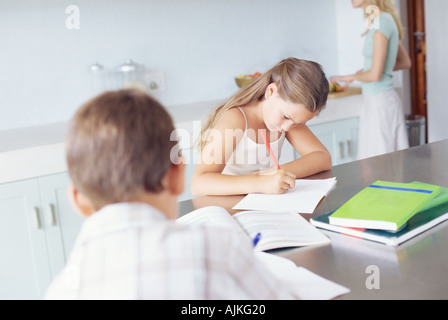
[234, 157]
[382, 127]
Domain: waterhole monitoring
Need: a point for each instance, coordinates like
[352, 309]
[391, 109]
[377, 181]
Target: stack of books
[389, 212]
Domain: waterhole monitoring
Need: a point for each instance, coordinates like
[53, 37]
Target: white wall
[200, 45]
[437, 68]
[350, 26]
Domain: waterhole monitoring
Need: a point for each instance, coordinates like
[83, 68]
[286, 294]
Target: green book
[434, 213]
[441, 198]
[384, 205]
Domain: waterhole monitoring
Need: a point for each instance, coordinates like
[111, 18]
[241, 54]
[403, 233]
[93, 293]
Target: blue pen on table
[256, 239]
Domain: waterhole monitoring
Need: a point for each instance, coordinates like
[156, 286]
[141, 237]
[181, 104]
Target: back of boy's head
[119, 145]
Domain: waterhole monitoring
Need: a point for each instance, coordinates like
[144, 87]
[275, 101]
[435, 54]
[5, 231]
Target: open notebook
[303, 198]
[276, 229]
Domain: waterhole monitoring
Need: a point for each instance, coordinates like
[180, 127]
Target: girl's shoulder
[233, 118]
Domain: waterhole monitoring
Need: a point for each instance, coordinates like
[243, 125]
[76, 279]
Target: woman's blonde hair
[298, 81]
[386, 6]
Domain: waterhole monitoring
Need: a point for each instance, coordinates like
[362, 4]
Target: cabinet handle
[37, 221]
[341, 150]
[52, 214]
[350, 148]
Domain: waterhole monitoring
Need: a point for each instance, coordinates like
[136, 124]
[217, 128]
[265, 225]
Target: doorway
[417, 52]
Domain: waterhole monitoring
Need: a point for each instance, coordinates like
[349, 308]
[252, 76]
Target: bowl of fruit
[335, 87]
[243, 80]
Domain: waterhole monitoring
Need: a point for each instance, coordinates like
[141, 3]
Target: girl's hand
[273, 181]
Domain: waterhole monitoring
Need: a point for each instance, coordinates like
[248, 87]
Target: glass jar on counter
[130, 75]
[97, 78]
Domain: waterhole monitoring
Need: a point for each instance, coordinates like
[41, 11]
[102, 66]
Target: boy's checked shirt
[132, 251]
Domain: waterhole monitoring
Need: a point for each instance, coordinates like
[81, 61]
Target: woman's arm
[208, 179]
[314, 158]
[403, 59]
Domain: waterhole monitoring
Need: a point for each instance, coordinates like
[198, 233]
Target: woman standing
[382, 127]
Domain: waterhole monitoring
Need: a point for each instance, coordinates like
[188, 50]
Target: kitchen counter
[414, 270]
[37, 151]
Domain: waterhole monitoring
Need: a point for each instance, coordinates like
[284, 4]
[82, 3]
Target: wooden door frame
[417, 52]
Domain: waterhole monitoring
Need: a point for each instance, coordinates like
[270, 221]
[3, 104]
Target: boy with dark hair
[124, 181]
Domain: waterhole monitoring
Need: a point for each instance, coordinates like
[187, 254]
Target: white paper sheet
[303, 283]
[303, 198]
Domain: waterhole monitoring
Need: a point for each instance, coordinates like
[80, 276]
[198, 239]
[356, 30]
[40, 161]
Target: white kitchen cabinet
[37, 231]
[62, 221]
[25, 269]
[340, 138]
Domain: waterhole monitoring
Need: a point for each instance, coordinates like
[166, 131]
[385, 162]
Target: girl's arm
[208, 180]
[314, 158]
[374, 74]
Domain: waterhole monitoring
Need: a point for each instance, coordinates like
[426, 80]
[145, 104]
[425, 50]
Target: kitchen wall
[200, 45]
[437, 68]
[348, 31]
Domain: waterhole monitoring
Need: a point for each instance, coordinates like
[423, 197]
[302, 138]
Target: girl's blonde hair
[386, 6]
[298, 81]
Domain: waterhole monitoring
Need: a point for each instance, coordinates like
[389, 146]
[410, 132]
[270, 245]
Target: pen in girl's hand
[263, 135]
[256, 239]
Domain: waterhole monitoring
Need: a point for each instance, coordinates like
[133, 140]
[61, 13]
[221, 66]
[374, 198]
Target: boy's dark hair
[118, 145]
